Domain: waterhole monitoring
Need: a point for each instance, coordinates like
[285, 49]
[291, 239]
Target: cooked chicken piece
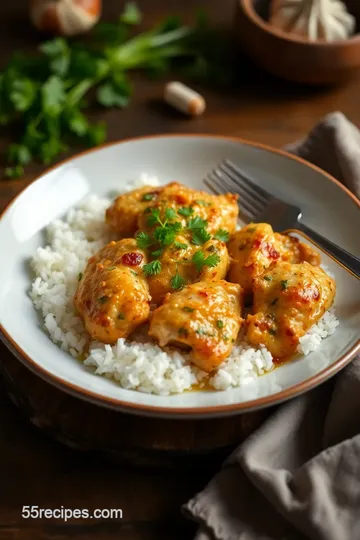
[293, 251]
[122, 216]
[288, 300]
[220, 211]
[177, 261]
[205, 316]
[256, 247]
[252, 250]
[112, 296]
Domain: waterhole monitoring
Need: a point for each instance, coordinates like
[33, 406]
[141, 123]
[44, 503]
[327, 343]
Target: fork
[258, 205]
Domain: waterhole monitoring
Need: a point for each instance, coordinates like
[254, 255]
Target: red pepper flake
[132, 259]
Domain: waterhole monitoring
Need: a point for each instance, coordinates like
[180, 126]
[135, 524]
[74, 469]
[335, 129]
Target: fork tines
[229, 177]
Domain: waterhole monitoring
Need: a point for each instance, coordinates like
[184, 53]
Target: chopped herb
[134, 273]
[154, 218]
[148, 197]
[196, 223]
[203, 203]
[201, 332]
[188, 309]
[220, 323]
[283, 284]
[170, 213]
[186, 211]
[225, 338]
[272, 331]
[143, 240]
[152, 268]
[222, 235]
[183, 332]
[211, 248]
[200, 237]
[103, 299]
[157, 252]
[177, 282]
[273, 302]
[121, 316]
[167, 234]
[109, 268]
[180, 245]
[233, 340]
[80, 275]
[147, 210]
[267, 278]
[200, 261]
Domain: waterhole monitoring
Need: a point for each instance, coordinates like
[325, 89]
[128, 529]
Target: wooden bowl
[292, 57]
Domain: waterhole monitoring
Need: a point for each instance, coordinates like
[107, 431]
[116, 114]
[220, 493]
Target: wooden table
[38, 471]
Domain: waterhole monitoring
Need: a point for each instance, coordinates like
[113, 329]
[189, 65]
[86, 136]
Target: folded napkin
[298, 476]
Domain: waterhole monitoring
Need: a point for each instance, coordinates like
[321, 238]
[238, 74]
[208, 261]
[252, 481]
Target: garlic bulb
[67, 17]
[314, 19]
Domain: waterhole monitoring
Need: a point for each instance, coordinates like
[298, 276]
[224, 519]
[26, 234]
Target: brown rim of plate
[246, 406]
[248, 8]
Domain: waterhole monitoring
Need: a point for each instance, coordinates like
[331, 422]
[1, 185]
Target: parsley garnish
[222, 235]
[200, 237]
[220, 323]
[200, 261]
[152, 268]
[109, 268]
[283, 284]
[196, 223]
[148, 197]
[202, 203]
[157, 252]
[267, 278]
[80, 275]
[143, 240]
[180, 245]
[134, 273]
[177, 282]
[186, 211]
[272, 331]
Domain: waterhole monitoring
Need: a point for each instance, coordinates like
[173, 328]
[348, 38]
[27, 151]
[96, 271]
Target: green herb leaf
[157, 252]
[80, 275]
[109, 95]
[267, 278]
[220, 323]
[96, 134]
[188, 309]
[152, 268]
[77, 122]
[19, 154]
[284, 284]
[177, 281]
[222, 235]
[23, 94]
[14, 172]
[203, 203]
[143, 240]
[110, 268]
[200, 261]
[196, 223]
[186, 211]
[200, 237]
[53, 95]
[272, 331]
[180, 245]
[131, 14]
[148, 197]
[154, 217]
[58, 52]
[170, 213]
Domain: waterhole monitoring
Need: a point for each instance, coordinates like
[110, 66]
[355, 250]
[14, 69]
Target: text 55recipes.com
[65, 514]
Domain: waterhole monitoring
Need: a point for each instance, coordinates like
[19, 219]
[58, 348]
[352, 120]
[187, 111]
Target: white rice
[137, 364]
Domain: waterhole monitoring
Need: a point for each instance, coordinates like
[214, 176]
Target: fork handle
[341, 255]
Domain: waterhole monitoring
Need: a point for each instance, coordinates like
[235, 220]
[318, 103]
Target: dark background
[36, 470]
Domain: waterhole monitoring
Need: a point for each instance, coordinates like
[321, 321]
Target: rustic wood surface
[35, 468]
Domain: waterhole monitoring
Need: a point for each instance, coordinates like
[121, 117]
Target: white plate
[327, 207]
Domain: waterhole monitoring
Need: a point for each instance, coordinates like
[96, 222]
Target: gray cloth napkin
[298, 476]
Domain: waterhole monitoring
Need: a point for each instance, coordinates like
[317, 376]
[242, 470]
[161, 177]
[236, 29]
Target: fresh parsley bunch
[44, 97]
